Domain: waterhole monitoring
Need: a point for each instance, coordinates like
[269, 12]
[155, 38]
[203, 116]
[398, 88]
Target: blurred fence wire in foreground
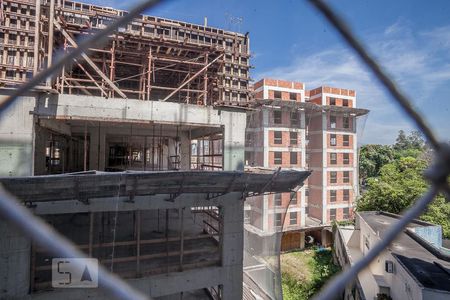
[437, 174]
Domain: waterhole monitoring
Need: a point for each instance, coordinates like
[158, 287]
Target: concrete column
[233, 140]
[93, 148]
[185, 151]
[232, 245]
[102, 155]
[16, 137]
[15, 252]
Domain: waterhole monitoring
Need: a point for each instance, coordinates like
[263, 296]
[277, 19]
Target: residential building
[304, 129]
[415, 266]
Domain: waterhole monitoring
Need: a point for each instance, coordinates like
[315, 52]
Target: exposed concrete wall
[16, 137]
[229, 274]
[14, 262]
[126, 110]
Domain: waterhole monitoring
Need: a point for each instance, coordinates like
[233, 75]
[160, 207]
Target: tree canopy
[393, 181]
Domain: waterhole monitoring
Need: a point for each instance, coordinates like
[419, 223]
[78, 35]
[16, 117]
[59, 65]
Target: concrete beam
[140, 203]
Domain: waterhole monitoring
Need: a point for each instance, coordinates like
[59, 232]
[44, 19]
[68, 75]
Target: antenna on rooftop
[232, 20]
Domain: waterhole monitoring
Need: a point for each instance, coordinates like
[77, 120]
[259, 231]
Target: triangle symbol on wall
[86, 275]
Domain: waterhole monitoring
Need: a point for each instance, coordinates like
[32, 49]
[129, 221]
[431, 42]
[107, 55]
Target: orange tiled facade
[323, 141]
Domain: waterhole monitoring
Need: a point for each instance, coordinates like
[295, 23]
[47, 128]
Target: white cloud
[405, 55]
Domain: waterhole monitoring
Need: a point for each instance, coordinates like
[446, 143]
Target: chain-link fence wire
[437, 174]
[31, 225]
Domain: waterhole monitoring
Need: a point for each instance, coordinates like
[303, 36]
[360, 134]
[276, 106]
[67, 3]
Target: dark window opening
[333, 177]
[278, 137]
[346, 177]
[277, 116]
[293, 96]
[333, 196]
[277, 158]
[332, 214]
[293, 137]
[293, 158]
[333, 158]
[277, 94]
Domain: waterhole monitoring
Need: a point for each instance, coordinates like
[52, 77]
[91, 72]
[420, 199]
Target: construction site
[152, 111]
[156, 154]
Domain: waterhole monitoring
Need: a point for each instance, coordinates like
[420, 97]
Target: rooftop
[413, 252]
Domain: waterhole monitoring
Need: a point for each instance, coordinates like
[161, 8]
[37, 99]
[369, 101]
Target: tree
[409, 145]
[398, 186]
[372, 158]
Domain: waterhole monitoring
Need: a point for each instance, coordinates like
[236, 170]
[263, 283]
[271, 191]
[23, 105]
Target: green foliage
[400, 183]
[321, 267]
[396, 181]
[413, 141]
[372, 158]
[438, 212]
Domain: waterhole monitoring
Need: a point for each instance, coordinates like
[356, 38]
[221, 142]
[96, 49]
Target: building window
[345, 213]
[346, 140]
[278, 137]
[277, 158]
[306, 210]
[306, 194]
[332, 214]
[277, 94]
[293, 96]
[346, 196]
[333, 177]
[346, 158]
[277, 199]
[333, 195]
[346, 177]
[293, 158]
[293, 198]
[278, 219]
[277, 116]
[346, 122]
[344, 102]
[332, 121]
[332, 101]
[332, 140]
[10, 74]
[293, 137]
[294, 118]
[333, 158]
[293, 218]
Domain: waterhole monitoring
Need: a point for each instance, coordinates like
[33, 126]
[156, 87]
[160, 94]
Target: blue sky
[290, 40]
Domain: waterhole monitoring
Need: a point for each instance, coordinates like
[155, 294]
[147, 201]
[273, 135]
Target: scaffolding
[151, 58]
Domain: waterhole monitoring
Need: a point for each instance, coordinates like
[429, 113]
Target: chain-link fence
[437, 174]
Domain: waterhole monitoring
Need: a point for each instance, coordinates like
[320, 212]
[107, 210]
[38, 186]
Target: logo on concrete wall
[74, 273]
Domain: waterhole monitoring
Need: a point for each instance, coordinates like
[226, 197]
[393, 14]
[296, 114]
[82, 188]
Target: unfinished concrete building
[95, 115]
[157, 95]
[172, 235]
[304, 129]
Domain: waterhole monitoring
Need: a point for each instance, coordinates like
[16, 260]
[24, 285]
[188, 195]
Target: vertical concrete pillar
[302, 240]
[185, 151]
[232, 245]
[14, 261]
[16, 137]
[233, 140]
[97, 147]
[102, 155]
